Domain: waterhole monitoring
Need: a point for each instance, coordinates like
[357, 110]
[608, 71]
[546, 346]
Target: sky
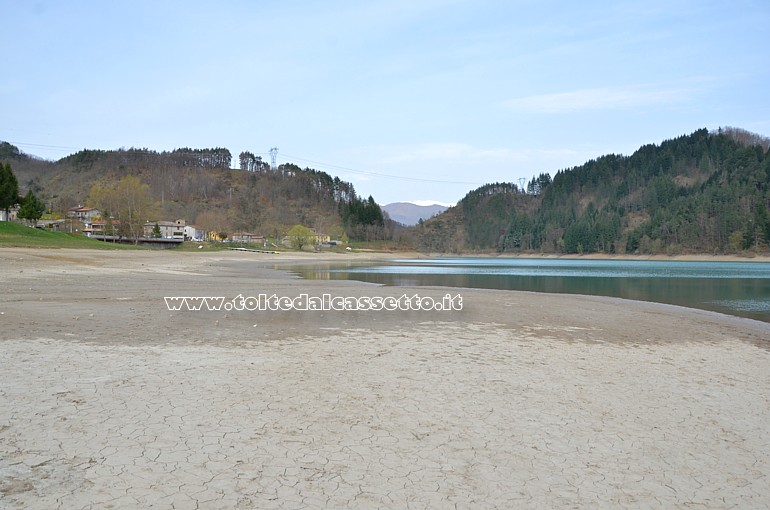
[410, 100]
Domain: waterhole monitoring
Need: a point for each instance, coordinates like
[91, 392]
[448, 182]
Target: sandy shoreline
[519, 400]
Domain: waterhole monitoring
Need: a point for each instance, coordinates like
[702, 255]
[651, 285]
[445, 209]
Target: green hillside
[700, 193]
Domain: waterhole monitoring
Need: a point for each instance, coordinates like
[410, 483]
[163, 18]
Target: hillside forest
[700, 193]
[200, 186]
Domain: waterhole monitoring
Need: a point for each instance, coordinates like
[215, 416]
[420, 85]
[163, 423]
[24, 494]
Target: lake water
[737, 288]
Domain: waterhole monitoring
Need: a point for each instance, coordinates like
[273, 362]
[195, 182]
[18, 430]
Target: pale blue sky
[409, 100]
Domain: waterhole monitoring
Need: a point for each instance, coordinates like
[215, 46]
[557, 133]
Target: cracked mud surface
[525, 401]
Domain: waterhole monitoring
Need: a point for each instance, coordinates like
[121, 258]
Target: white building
[194, 233]
[12, 212]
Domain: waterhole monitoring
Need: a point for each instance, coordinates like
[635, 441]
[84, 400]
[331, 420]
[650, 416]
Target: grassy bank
[21, 236]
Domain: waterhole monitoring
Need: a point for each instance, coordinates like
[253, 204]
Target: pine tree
[31, 208]
[9, 189]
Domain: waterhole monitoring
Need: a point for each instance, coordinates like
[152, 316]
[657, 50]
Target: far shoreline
[363, 255]
[599, 256]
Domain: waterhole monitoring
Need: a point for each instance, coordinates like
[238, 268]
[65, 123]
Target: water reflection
[729, 287]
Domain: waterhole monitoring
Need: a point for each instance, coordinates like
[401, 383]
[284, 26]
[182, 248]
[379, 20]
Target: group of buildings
[89, 221]
[94, 225]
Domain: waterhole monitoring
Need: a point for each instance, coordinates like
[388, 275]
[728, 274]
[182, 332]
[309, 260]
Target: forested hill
[200, 186]
[700, 193]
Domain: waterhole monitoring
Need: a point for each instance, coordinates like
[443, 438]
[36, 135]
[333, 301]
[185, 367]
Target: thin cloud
[604, 98]
[466, 154]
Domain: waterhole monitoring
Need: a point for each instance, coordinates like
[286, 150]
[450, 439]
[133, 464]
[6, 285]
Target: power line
[273, 154]
[44, 147]
[377, 174]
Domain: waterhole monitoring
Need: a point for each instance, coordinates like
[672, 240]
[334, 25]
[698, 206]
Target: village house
[100, 228]
[320, 238]
[246, 237]
[12, 213]
[315, 238]
[84, 214]
[168, 229]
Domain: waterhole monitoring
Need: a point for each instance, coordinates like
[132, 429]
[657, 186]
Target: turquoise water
[737, 288]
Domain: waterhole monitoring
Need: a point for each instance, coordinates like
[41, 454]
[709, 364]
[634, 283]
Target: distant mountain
[700, 193]
[410, 214]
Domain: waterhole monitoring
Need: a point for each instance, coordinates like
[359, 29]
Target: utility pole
[273, 158]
